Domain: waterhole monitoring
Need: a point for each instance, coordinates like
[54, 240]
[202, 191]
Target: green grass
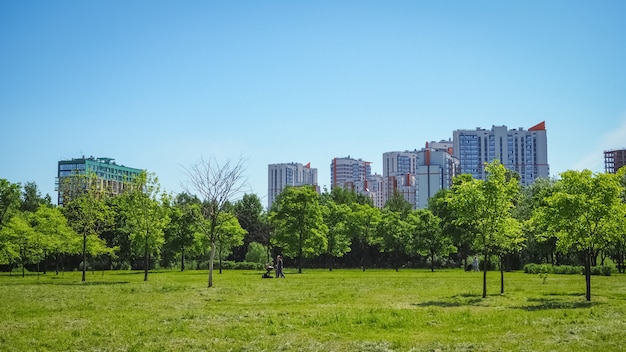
[343, 310]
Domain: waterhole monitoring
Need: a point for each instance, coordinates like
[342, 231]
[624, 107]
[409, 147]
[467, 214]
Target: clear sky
[158, 85]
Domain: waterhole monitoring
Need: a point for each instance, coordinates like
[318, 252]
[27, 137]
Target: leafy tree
[249, 211]
[229, 235]
[57, 237]
[428, 238]
[585, 212]
[395, 235]
[461, 234]
[299, 225]
[540, 245]
[485, 206]
[146, 216]
[216, 185]
[362, 224]
[31, 198]
[87, 212]
[256, 253]
[399, 204]
[182, 232]
[9, 200]
[21, 242]
[336, 219]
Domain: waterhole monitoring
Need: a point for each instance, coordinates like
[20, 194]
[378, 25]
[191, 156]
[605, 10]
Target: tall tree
[146, 216]
[9, 200]
[338, 237]
[31, 198]
[182, 232]
[362, 223]
[57, 237]
[299, 227]
[248, 211]
[216, 184]
[585, 212]
[485, 206]
[394, 233]
[428, 237]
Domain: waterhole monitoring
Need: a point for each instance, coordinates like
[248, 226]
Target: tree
[394, 233]
[181, 233]
[87, 213]
[362, 223]
[229, 235]
[9, 200]
[146, 216]
[57, 237]
[249, 211]
[428, 238]
[485, 206]
[216, 185]
[31, 198]
[297, 216]
[337, 236]
[22, 242]
[585, 212]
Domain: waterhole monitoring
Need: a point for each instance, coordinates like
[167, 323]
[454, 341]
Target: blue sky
[160, 84]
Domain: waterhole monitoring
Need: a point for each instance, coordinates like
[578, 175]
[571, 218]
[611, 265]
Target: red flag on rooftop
[308, 165]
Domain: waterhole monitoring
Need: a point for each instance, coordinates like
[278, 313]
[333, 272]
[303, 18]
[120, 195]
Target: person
[475, 264]
[279, 267]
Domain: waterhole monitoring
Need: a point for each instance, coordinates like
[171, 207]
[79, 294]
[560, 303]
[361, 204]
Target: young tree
[585, 212]
[486, 207]
[299, 225]
[146, 216]
[428, 238]
[57, 236]
[216, 185]
[229, 235]
[87, 211]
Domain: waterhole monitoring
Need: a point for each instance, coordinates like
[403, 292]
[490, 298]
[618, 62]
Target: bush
[257, 253]
[229, 264]
[533, 268]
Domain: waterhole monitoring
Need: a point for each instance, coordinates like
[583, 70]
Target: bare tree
[216, 185]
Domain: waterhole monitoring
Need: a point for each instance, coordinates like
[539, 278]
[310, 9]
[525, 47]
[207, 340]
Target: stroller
[268, 273]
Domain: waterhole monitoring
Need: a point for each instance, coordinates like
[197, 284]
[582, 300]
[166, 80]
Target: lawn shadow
[465, 299]
[536, 304]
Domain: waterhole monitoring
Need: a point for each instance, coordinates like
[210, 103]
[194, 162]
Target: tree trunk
[56, 262]
[501, 274]
[485, 276]
[588, 275]
[211, 258]
[182, 259]
[146, 261]
[84, 256]
[432, 262]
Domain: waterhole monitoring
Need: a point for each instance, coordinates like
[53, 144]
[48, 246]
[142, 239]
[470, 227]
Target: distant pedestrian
[475, 264]
[279, 267]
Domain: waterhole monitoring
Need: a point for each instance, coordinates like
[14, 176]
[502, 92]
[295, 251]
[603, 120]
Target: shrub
[257, 253]
[544, 269]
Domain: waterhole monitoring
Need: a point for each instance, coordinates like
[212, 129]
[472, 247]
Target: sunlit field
[343, 310]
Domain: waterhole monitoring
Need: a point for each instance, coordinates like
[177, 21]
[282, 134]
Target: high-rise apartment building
[519, 150]
[399, 175]
[289, 174]
[108, 174]
[614, 160]
[356, 175]
[435, 170]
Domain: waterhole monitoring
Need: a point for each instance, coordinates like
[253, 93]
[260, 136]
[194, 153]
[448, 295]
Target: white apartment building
[356, 175]
[399, 175]
[435, 170]
[288, 174]
[519, 150]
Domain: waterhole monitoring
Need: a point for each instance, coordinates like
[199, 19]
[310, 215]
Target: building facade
[289, 174]
[108, 175]
[519, 150]
[614, 160]
[400, 175]
[356, 175]
[436, 169]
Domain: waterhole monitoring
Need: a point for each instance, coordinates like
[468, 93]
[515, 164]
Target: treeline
[578, 219]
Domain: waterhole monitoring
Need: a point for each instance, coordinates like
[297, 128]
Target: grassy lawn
[343, 310]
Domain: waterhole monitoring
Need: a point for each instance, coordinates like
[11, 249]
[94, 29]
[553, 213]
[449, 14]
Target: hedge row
[604, 270]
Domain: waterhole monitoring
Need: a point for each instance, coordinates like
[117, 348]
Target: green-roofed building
[109, 175]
